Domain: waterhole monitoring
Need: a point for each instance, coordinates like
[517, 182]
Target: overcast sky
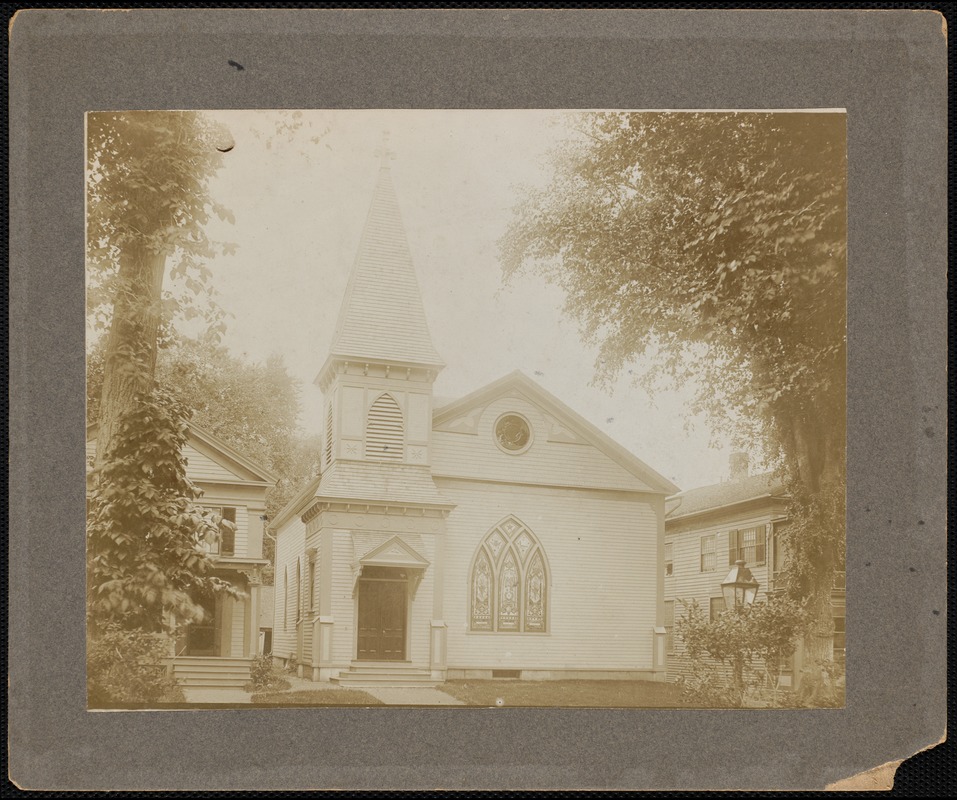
[299, 209]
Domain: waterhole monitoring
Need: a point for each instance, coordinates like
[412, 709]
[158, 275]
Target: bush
[735, 657]
[125, 667]
[265, 675]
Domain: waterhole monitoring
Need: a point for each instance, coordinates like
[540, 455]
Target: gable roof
[221, 452]
[382, 317]
[721, 495]
[298, 503]
[521, 383]
[382, 484]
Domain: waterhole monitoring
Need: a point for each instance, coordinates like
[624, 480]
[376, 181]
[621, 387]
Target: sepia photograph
[466, 408]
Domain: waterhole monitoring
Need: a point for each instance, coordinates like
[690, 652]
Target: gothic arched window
[384, 432]
[508, 587]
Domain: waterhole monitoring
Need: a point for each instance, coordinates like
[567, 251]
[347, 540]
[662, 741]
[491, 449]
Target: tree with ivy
[712, 247]
[253, 407]
[148, 201]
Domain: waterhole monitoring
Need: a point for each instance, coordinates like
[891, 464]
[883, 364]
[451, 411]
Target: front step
[383, 675]
[208, 671]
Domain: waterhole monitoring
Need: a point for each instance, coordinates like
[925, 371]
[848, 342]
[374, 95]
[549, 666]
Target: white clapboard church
[498, 535]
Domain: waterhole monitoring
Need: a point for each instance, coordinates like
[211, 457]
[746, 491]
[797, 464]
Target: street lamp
[740, 587]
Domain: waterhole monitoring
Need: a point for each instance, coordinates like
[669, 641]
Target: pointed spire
[382, 316]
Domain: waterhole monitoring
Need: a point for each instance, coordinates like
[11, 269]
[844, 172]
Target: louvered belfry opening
[329, 433]
[384, 434]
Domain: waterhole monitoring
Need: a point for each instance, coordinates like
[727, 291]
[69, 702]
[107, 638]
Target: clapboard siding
[343, 602]
[201, 467]
[554, 463]
[602, 555]
[689, 583]
[290, 545]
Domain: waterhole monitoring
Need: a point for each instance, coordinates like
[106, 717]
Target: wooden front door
[382, 611]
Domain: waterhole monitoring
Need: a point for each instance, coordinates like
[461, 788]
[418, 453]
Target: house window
[716, 607]
[669, 626]
[384, 431]
[298, 590]
[285, 598]
[669, 559]
[747, 545]
[707, 553]
[312, 585]
[225, 543]
[509, 581]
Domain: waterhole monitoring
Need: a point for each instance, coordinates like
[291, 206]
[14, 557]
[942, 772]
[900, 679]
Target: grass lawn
[316, 697]
[582, 694]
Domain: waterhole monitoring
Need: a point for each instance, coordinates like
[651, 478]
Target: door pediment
[394, 553]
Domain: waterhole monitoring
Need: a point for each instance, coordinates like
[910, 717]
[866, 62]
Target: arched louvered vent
[329, 433]
[384, 436]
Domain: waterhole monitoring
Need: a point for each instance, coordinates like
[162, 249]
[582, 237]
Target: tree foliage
[148, 202]
[712, 247]
[145, 533]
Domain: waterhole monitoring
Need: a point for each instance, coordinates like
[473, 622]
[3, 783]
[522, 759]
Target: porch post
[437, 627]
[252, 617]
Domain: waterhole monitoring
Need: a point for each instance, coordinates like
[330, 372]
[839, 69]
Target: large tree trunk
[818, 457]
[130, 361]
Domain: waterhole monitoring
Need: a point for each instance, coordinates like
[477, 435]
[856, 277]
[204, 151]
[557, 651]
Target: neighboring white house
[707, 529]
[218, 650]
[497, 535]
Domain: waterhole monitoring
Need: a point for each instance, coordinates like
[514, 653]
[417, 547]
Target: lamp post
[739, 590]
[740, 587]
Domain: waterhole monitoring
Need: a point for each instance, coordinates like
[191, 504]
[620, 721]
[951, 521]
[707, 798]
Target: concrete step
[373, 666]
[396, 684]
[405, 678]
[210, 671]
[213, 682]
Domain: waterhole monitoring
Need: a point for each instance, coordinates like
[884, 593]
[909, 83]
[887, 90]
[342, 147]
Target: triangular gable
[394, 553]
[565, 424]
[209, 459]
[227, 457]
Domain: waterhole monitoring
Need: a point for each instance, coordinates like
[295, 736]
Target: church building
[497, 535]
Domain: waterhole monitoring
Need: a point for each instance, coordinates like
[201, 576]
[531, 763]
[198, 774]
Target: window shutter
[761, 550]
[733, 547]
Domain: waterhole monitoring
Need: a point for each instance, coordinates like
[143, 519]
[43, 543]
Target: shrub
[735, 657]
[125, 667]
[265, 675]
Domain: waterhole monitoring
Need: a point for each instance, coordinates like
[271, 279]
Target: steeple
[381, 366]
[382, 318]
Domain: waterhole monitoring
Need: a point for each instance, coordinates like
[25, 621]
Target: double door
[383, 608]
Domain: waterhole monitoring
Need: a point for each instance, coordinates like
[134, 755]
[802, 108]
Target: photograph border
[887, 68]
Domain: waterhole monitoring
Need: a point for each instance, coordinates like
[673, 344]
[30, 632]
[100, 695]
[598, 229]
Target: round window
[512, 433]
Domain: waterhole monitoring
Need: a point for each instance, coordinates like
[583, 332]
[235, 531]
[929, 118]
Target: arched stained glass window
[509, 581]
[482, 582]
